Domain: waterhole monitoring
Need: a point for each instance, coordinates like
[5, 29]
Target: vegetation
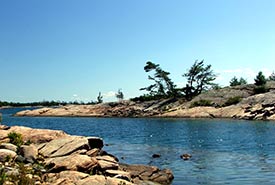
[235, 81]
[232, 101]
[15, 138]
[99, 98]
[260, 82]
[199, 78]
[120, 95]
[201, 102]
[163, 85]
[260, 79]
[272, 76]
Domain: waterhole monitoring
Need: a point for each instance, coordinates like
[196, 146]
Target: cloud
[109, 94]
[75, 95]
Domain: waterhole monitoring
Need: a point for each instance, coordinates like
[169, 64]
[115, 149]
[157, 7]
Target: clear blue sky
[71, 50]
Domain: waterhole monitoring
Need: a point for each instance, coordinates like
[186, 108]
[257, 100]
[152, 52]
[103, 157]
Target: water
[223, 151]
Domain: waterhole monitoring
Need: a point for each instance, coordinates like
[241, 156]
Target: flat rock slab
[82, 163]
[141, 173]
[107, 162]
[100, 180]
[64, 146]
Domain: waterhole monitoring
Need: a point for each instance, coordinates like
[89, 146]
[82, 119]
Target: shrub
[232, 101]
[15, 138]
[260, 79]
[201, 102]
[260, 89]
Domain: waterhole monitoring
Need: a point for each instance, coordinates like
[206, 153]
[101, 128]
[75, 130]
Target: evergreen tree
[199, 78]
[163, 85]
[120, 95]
[234, 81]
[99, 98]
[260, 79]
[272, 76]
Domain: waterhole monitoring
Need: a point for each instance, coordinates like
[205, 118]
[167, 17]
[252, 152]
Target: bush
[201, 102]
[260, 89]
[15, 138]
[232, 101]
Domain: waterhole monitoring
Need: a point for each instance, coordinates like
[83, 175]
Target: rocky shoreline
[52, 157]
[238, 102]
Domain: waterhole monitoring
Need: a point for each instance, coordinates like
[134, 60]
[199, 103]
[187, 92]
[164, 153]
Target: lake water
[223, 151]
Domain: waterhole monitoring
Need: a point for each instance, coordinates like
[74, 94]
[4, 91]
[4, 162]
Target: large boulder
[8, 146]
[82, 163]
[64, 146]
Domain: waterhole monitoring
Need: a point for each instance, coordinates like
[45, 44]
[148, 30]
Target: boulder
[72, 176]
[37, 135]
[107, 162]
[147, 173]
[29, 152]
[82, 163]
[6, 154]
[95, 142]
[8, 146]
[93, 152]
[64, 146]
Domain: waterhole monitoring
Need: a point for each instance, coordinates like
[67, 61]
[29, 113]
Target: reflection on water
[223, 151]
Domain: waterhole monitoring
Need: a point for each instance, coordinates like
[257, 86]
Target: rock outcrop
[66, 159]
[238, 102]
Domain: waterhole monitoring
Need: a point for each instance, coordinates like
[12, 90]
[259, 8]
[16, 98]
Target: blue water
[223, 151]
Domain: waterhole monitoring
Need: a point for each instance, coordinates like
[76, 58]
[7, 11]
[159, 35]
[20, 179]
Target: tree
[260, 79]
[99, 98]
[120, 95]
[163, 85]
[234, 81]
[272, 76]
[199, 78]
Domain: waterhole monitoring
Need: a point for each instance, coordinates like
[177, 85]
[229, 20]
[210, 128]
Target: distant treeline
[43, 103]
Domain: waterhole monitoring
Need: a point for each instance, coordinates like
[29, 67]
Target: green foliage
[260, 79]
[163, 85]
[201, 102]
[120, 95]
[232, 101]
[272, 76]
[3, 175]
[15, 138]
[199, 78]
[99, 98]
[235, 81]
[147, 97]
[260, 89]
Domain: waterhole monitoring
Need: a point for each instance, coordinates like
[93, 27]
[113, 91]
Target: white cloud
[75, 95]
[109, 94]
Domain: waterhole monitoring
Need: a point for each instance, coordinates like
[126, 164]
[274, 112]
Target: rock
[72, 176]
[119, 174]
[147, 173]
[186, 156]
[94, 152]
[95, 142]
[156, 155]
[82, 163]
[6, 154]
[8, 146]
[37, 135]
[64, 146]
[107, 162]
[100, 180]
[30, 153]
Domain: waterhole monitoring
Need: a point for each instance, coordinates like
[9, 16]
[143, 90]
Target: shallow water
[223, 151]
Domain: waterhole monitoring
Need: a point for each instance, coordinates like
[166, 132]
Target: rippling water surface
[223, 151]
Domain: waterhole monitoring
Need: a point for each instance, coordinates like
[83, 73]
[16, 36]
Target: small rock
[156, 155]
[95, 142]
[29, 152]
[186, 156]
[92, 153]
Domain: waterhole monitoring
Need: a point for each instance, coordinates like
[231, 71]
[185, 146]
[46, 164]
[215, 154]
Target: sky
[71, 50]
